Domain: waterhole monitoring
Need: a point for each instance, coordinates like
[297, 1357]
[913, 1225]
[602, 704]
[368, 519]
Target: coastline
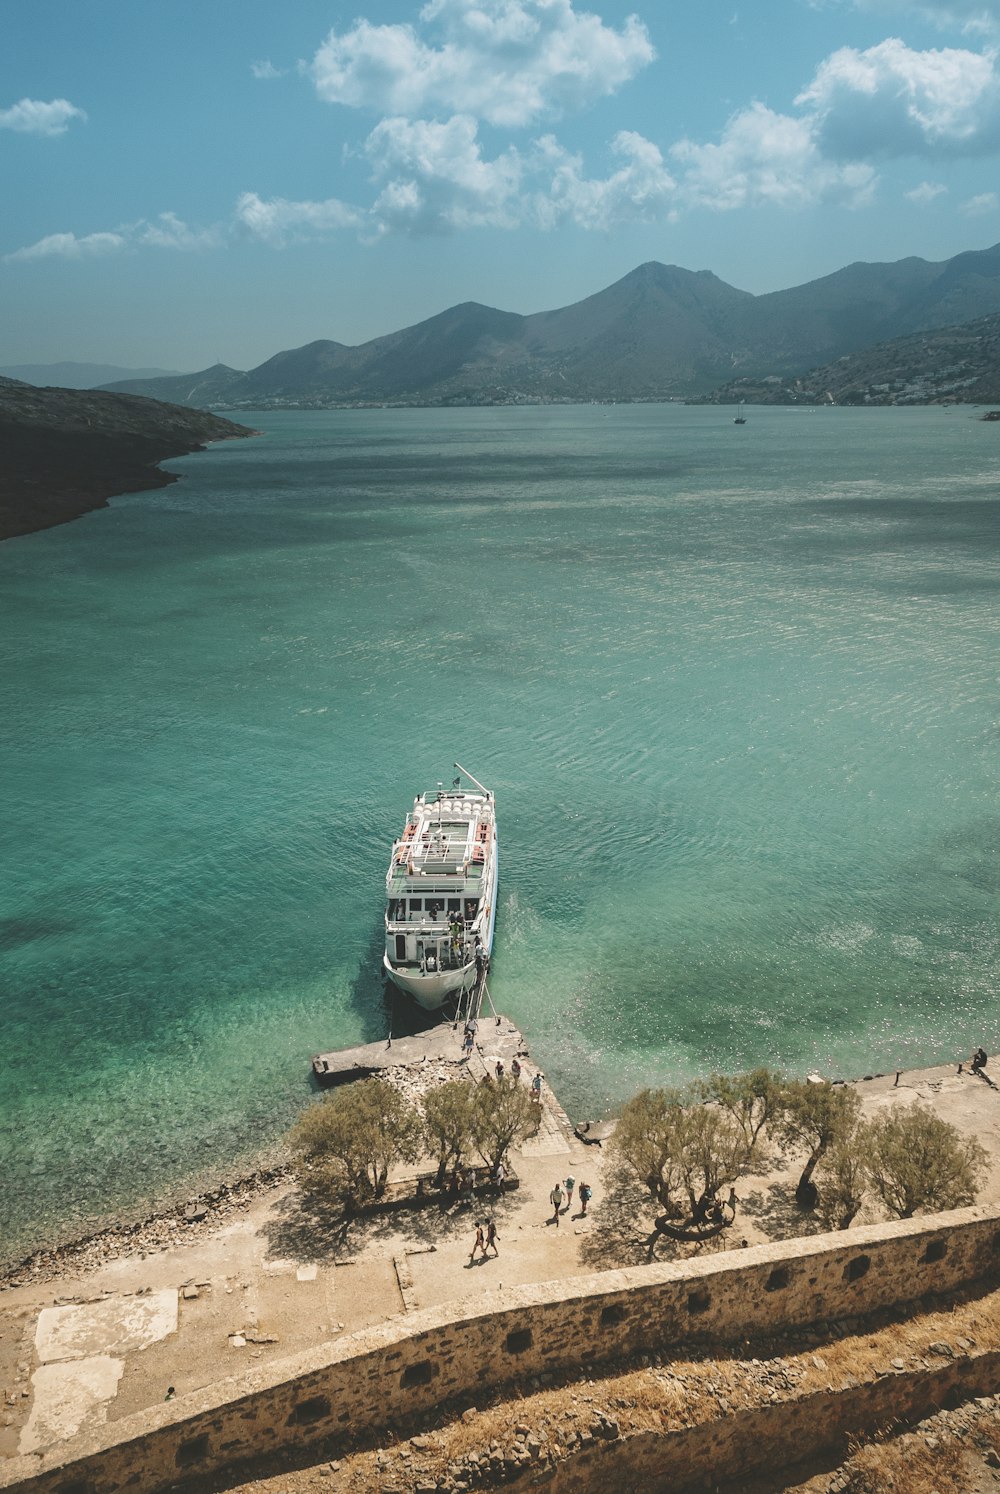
[208, 1210]
[68, 451]
[214, 1209]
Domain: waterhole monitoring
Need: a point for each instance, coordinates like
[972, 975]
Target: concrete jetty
[496, 1038]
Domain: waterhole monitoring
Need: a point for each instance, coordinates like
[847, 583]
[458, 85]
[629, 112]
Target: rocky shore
[199, 1217]
[67, 451]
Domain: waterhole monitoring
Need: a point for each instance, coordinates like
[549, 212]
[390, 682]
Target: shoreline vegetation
[213, 1208]
[68, 451]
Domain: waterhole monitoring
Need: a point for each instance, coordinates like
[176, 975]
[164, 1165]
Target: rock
[189, 1293]
[941, 1348]
[469, 1414]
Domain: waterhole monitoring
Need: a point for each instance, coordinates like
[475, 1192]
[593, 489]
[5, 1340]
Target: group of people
[486, 1239]
[561, 1198]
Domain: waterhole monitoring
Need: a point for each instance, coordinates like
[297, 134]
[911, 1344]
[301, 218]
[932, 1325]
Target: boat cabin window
[398, 910]
[471, 907]
[400, 947]
[416, 904]
[433, 909]
[454, 905]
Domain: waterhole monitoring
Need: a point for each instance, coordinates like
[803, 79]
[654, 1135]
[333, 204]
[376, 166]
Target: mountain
[77, 375]
[67, 451]
[939, 366]
[661, 332]
[209, 387]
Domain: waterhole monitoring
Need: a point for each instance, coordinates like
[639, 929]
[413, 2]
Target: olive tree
[843, 1175]
[683, 1153]
[504, 1117]
[347, 1142]
[755, 1100]
[915, 1160]
[816, 1116]
[451, 1114]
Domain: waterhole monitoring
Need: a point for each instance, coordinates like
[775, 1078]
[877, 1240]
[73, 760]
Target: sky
[188, 183]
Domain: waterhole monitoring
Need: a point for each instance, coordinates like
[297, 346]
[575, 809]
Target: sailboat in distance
[740, 417]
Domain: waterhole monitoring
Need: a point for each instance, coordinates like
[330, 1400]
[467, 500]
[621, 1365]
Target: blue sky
[184, 183]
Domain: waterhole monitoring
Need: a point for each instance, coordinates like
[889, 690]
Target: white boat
[441, 893]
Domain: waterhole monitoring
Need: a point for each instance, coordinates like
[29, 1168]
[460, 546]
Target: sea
[736, 690]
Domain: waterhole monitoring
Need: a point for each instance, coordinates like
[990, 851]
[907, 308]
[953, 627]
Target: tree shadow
[620, 1231]
[311, 1228]
[778, 1215]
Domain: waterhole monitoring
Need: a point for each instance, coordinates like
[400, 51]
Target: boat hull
[431, 991]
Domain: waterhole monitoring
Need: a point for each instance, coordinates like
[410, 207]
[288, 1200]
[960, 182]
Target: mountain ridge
[659, 332]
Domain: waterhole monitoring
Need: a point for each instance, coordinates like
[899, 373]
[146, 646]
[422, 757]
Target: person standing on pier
[556, 1200]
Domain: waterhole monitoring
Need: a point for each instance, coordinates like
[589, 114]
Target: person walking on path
[491, 1237]
[479, 1244]
[569, 1185]
[586, 1194]
[536, 1088]
[556, 1200]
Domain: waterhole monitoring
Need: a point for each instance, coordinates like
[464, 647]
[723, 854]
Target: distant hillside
[77, 375]
[939, 366]
[209, 387]
[661, 332]
[67, 451]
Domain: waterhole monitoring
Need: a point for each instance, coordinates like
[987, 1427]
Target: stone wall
[767, 1437]
[353, 1388]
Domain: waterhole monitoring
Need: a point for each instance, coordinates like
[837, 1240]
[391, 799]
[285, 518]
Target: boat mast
[468, 775]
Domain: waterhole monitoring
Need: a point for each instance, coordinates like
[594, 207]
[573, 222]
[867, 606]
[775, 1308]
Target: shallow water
[736, 689]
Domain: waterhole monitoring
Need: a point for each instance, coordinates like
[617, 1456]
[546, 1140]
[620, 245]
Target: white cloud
[981, 16]
[642, 190]
[768, 158]
[976, 207]
[33, 117]
[165, 232]
[266, 69]
[925, 193]
[170, 232]
[509, 62]
[438, 179]
[277, 220]
[68, 246]
[893, 101]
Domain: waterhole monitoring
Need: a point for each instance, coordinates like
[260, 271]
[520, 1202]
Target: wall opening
[854, 1270]
[417, 1374]
[699, 1301]
[613, 1313]
[778, 1279]
[314, 1409]
[936, 1251]
[192, 1451]
[519, 1340]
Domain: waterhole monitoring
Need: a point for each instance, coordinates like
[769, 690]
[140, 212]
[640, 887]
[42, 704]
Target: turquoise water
[736, 689]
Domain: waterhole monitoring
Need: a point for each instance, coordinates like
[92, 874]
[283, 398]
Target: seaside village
[452, 1284]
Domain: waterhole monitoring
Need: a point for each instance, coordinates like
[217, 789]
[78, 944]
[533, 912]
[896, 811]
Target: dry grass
[675, 1393]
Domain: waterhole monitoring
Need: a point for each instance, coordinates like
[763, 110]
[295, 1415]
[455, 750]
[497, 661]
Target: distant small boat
[740, 417]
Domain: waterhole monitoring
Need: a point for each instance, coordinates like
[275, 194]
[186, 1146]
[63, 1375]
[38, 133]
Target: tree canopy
[347, 1142]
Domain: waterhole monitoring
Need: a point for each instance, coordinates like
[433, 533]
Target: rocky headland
[67, 451]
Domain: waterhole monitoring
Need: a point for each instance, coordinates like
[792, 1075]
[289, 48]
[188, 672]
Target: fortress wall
[768, 1437]
[354, 1387]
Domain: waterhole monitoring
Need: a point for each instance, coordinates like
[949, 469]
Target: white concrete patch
[307, 1273]
[279, 1268]
[69, 1398]
[116, 1326]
